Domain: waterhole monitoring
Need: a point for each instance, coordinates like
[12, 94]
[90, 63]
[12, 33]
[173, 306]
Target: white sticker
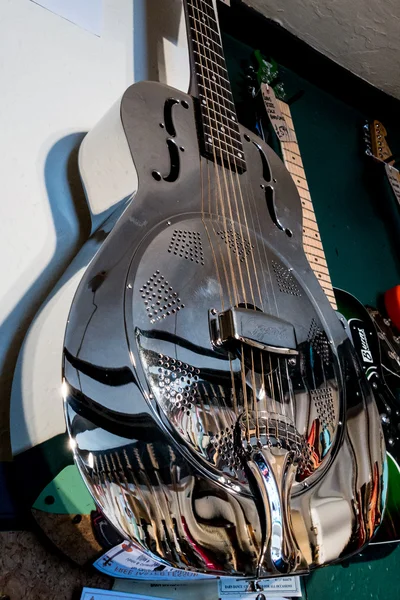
[238, 589]
[394, 180]
[275, 116]
[127, 562]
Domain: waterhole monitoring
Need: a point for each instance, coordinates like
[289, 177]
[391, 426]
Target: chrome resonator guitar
[215, 406]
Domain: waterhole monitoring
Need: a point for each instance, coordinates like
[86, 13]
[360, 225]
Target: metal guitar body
[216, 409]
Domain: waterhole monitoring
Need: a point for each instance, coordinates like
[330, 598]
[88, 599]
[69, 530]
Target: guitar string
[244, 388]
[219, 146]
[243, 241]
[220, 190]
[292, 139]
[244, 249]
[245, 216]
[223, 214]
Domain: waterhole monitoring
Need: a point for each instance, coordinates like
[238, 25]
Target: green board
[358, 223]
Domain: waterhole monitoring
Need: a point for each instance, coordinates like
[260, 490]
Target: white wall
[361, 35]
[57, 80]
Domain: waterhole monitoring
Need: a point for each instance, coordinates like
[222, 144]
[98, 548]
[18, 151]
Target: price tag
[275, 116]
[394, 180]
[278, 588]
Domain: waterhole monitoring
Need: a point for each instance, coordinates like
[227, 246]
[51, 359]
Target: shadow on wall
[154, 21]
[71, 220]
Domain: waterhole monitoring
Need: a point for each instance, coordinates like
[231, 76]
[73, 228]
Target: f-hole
[168, 121]
[270, 198]
[264, 162]
[174, 159]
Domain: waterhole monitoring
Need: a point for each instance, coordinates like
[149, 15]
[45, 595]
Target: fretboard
[219, 131]
[311, 237]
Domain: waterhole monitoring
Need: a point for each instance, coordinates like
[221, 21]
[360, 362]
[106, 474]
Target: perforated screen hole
[285, 280]
[319, 341]
[178, 382]
[188, 245]
[237, 243]
[305, 466]
[323, 400]
[224, 445]
[159, 298]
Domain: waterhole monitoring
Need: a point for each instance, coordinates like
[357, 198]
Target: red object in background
[392, 304]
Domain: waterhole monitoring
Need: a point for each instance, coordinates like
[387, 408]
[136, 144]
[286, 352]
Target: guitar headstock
[267, 72]
[375, 141]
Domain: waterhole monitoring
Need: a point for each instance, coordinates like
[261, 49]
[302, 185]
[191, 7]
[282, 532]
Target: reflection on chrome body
[226, 437]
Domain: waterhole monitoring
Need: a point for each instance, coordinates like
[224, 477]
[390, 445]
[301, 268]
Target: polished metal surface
[233, 458]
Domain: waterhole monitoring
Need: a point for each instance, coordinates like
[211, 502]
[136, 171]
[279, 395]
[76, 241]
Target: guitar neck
[218, 125]
[311, 237]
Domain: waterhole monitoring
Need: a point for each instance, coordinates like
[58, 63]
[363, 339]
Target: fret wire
[204, 36]
[203, 25]
[226, 135]
[220, 56]
[228, 144]
[210, 135]
[209, 89]
[232, 122]
[203, 13]
[210, 60]
[212, 71]
[212, 41]
[235, 132]
[216, 84]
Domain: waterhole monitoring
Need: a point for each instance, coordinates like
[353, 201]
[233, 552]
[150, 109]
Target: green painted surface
[359, 246]
[360, 225]
[66, 494]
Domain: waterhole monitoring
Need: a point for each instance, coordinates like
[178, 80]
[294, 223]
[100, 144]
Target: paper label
[238, 589]
[127, 562]
[394, 180]
[275, 116]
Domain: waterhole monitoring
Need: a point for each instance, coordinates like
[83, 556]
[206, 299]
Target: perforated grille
[237, 243]
[306, 464]
[187, 244]
[285, 280]
[178, 382]
[319, 341]
[159, 298]
[323, 400]
[224, 446]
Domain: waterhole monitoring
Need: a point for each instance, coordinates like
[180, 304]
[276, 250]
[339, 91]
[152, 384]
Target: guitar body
[368, 347]
[212, 397]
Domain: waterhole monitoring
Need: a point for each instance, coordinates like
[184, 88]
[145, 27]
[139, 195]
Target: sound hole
[270, 198]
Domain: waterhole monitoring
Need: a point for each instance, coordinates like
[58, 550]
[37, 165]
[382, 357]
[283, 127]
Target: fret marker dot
[204, 102]
[209, 139]
[222, 129]
[233, 117]
[214, 78]
[239, 154]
